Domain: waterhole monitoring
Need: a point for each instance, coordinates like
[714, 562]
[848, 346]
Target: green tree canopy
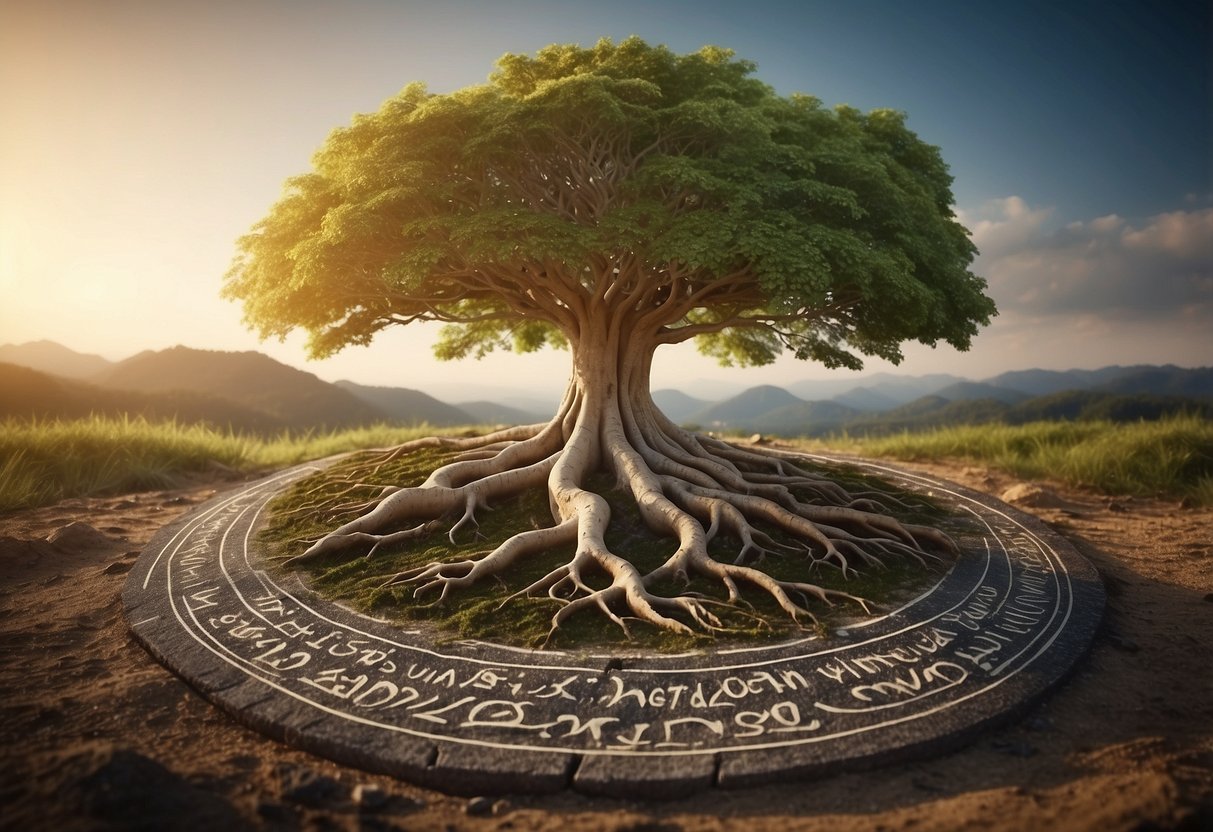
[760, 222]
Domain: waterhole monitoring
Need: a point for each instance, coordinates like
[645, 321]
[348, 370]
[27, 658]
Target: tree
[612, 200]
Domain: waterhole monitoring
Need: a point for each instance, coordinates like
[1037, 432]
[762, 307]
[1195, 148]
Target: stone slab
[1000, 630]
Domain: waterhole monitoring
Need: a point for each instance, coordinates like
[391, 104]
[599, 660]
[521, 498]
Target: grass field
[45, 461]
[1171, 457]
[42, 462]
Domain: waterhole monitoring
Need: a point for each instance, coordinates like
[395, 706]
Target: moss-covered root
[687, 489]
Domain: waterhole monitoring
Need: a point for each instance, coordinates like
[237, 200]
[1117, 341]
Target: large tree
[612, 200]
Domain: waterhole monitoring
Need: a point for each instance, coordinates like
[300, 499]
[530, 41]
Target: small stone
[757, 439]
[1116, 508]
[1121, 643]
[479, 807]
[369, 797]
[1026, 494]
[78, 535]
[116, 568]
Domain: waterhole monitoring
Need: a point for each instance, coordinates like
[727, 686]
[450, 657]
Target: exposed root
[693, 490]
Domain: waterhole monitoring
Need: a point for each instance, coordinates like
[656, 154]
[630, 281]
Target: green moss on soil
[320, 502]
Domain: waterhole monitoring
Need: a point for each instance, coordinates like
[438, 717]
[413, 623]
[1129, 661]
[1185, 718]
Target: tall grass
[45, 461]
[1171, 457]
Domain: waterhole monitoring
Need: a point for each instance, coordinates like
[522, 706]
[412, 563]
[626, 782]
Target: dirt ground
[94, 734]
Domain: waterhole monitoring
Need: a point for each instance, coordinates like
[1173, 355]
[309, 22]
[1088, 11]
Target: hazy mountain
[929, 411]
[50, 357]
[804, 418]
[897, 389]
[410, 407]
[866, 398]
[1166, 380]
[249, 379]
[1039, 382]
[491, 413]
[528, 400]
[743, 408]
[970, 390]
[1161, 381]
[678, 406]
[26, 393]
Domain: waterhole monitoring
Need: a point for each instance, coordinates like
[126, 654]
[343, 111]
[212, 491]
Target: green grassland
[43, 461]
[49, 460]
[1169, 458]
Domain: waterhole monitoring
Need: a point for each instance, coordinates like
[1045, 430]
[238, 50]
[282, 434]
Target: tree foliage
[758, 222]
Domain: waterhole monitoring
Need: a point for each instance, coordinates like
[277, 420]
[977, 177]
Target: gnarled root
[687, 488]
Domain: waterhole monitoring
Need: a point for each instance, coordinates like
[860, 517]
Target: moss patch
[319, 503]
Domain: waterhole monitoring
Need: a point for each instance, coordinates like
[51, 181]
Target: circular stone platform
[1004, 625]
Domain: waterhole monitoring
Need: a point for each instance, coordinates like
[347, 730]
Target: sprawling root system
[687, 487]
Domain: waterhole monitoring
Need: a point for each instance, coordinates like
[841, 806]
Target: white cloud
[1093, 292]
[1155, 269]
[1180, 234]
[1003, 225]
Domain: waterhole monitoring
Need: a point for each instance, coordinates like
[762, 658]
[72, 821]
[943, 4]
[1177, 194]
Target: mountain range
[251, 392]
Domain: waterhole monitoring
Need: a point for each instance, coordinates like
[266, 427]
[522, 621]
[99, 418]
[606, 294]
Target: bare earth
[94, 734]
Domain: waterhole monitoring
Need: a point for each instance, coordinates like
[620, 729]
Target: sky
[140, 138]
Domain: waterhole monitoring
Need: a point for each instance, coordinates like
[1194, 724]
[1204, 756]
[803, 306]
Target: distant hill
[53, 358]
[26, 393]
[1044, 382]
[818, 419]
[408, 406]
[746, 406]
[866, 398]
[1161, 381]
[491, 413]
[1167, 380]
[896, 390]
[971, 390]
[928, 411]
[249, 379]
[678, 406]
[804, 418]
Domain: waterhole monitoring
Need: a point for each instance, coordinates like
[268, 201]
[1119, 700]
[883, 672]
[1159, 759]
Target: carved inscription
[991, 618]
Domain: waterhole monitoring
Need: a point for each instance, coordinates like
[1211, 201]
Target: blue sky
[141, 138]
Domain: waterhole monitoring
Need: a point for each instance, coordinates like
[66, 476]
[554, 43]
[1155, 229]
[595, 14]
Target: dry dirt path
[94, 734]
